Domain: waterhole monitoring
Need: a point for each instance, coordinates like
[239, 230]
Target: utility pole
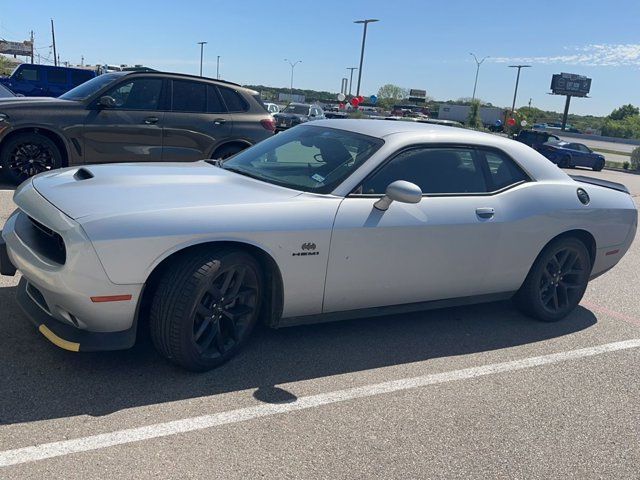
[82, 60]
[351, 69]
[515, 93]
[293, 64]
[530, 102]
[218, 68]
[202, 44]
[478, 63]
[53, 37]
[364, 39]
[32, 45]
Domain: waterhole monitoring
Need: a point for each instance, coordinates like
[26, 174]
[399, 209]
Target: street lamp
[351, 69]
[202, 44]
[218, 68]
[364, 39]
[478, 63]
[293, 64]
[515, 93]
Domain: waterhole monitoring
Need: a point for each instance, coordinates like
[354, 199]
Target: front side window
[447, 170]
[89, 88]
[189, 96]
[28, 74]
[57, 75]
[307, 158]
[138, 94]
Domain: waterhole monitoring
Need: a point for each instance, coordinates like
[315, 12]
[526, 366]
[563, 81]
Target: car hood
[99, 191]
[19, 102]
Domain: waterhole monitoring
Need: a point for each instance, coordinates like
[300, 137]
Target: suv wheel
[564, 162]
[227, 151]
[28, 154]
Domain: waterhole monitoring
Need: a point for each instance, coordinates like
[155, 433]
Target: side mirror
[399, 191]
[107, 101]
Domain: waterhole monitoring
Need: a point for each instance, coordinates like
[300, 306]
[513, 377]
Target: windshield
[307, 158]
[85, 90]
[299, 109]
[5, 93]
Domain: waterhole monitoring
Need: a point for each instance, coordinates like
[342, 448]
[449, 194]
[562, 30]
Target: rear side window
[78, 78]
[189, 96]
[233, 100]
[29, 74]
[214, 104]
[502, 170]
[57, 75]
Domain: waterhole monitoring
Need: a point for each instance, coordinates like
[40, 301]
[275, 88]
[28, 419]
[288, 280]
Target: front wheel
[598, 166]
[205, 307]
[557, 281]
[564, 162]
[28, 154]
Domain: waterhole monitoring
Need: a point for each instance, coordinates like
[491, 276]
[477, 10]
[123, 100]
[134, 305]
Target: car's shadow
[40, 381]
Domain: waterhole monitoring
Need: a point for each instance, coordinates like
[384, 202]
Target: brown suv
[130, 117]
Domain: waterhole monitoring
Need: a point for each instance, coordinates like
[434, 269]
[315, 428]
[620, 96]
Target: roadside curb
[632, 172]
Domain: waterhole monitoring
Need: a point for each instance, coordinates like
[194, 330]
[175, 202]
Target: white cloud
[596, 55]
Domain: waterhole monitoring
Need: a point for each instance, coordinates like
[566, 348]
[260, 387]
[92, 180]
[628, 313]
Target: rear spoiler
[601, 183]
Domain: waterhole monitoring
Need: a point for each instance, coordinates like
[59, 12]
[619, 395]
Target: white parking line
[96, 442]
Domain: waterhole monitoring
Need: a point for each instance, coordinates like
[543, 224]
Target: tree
[624, 111]
[6, 66]
[635, 159]
[389, 94]
[474, 120]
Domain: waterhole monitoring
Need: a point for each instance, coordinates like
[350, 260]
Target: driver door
[130, 131]
[442, 247]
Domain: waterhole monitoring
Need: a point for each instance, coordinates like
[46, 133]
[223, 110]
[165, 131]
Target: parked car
[5, 92]
[535, 138]
[328, 220]
[297, 113]
[130, 117]
[44, 80]
[567, 155]
[272, 108]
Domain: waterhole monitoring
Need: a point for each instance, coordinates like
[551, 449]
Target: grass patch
[613, 152]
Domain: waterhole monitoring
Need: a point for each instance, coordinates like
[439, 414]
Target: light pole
[478, 63]
[364, 39]
[351, 69]
[218, 68]
[202, 44]
[293, 64]
[515, 93]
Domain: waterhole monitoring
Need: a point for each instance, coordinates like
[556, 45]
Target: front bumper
[6, 267]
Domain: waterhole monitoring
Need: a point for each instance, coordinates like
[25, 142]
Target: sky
[420, 44]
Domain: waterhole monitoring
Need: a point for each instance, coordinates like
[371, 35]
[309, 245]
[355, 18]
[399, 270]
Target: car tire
[227, 151]
[549, 294]
[28, 154]
[598, 167]
[205, 307]
[564, 162]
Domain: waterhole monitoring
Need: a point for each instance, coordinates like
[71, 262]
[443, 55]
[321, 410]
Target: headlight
[3, 117]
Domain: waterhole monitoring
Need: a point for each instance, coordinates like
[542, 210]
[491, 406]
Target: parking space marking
[611, 313]
[96, 442]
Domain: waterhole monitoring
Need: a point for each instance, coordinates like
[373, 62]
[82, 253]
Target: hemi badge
[112, 298]
[612, 252]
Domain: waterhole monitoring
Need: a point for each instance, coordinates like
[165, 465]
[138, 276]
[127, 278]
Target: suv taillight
[269, 124]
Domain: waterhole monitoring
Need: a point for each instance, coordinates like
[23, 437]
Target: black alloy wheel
[557, 281]
[29, 154]
[205, 307]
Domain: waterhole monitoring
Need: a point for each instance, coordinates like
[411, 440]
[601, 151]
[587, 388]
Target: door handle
[151, 120]
[219, 121]
[485, 212]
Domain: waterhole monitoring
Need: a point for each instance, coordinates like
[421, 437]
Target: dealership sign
[570, 84]
[418, 96]
[16, 48]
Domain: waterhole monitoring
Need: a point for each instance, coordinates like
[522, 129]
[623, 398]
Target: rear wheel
[227, 151]
[564, 162]
[28, 154]
[205, 307]
[557, 281]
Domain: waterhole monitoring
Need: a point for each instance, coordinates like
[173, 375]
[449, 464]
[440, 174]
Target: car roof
[383, 128]
[181, 75]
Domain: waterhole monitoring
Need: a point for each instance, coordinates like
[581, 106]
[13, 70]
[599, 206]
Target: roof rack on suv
[186, 75]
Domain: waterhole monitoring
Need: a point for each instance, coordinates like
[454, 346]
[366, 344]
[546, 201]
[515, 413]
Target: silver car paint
[131, 217]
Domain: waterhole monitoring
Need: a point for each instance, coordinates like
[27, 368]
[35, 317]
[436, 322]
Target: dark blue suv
[44, 80]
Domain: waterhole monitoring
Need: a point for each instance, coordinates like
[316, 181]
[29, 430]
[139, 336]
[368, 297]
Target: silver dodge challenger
[326, 221]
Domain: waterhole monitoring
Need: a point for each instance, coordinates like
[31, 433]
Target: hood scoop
[83, 174]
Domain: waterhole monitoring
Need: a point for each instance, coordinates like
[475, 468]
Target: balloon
[523, 123]
[373, 99]
[341, 106]
[498, 123]
[511, 122]
[355, 102]
[360, 99]
[341, 97]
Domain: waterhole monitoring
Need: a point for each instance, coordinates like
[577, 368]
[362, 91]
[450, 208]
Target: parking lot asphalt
[473, 392]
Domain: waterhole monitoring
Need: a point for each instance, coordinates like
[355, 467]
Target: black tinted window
[189, 96]
[233, 100]
[57, 75]
[214, 104]
[502, 170]
[78, 78]
[28, 73]
[139, 94]
[434, 170]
